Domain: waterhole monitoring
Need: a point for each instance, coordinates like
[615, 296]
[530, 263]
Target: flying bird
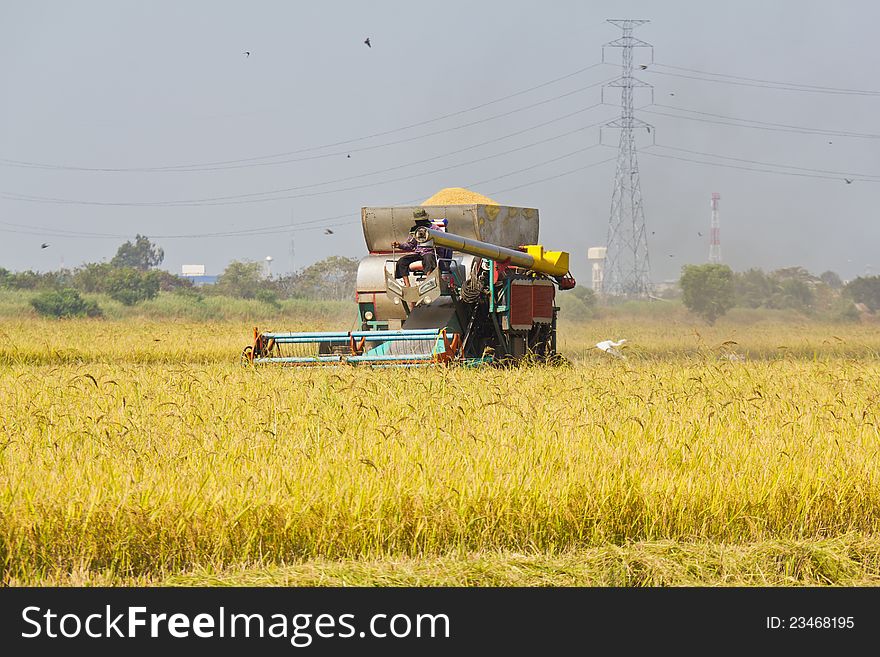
[643, 66]
[246, 53]
[671, 255]
[671, 94]
[848, 181]
[348, 156]
[44, 245]
[327, 231]
[611, 347]
[367, 41]
[699, 233]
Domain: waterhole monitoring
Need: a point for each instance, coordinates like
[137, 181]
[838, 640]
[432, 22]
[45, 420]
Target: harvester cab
[490, 299]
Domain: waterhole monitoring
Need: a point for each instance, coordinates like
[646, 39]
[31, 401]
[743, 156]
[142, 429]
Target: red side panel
[521, 304]
[544, 295]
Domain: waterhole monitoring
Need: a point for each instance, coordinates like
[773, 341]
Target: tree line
[711, 290]
[132, 277]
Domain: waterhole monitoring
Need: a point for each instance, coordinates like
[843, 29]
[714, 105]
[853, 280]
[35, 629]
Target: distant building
[596, 255]
[196, 274]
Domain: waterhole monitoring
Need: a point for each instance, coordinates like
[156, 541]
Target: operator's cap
[421, 213]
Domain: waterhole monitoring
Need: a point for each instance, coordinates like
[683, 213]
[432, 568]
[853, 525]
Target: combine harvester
[491, 301]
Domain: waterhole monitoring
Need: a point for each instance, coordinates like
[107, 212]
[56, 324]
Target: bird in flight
[671, 255]
[699, 233]
[611, 347]
[327, 231]
[643, 66]
[246, 53]
[43, 245]
[367, 41]
[348, 156]
[671, 94]
[848, 181]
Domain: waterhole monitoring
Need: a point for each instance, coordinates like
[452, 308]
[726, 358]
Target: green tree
[25, 280]
[866, 290]
[131, 286]
[793, 288]
[92, 276]
[752, 288]
[141, 255]
[792, 293]
[241, 279]
[333, 278]
[707, 290]
[64, 303]
[831, 279]
[169, 282]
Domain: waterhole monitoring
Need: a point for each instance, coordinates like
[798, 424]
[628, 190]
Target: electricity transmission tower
[627, 271]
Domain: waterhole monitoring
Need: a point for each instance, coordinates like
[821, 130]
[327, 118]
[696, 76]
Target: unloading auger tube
[553, 263]
[487, 304]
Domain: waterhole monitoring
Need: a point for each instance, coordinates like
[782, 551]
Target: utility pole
[292, 249]
[715, 231]
[627, 270]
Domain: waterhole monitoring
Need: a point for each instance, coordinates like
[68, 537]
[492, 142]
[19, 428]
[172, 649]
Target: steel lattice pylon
[627, 268]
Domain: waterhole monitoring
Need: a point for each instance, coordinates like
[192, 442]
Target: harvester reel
[263, 347]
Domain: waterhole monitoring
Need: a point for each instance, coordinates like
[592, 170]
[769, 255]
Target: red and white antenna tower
[714, 236]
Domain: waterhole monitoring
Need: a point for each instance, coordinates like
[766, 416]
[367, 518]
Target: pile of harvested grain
[458, 196]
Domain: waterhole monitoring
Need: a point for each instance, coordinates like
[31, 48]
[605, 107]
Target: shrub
[268, 296]
[64, 303]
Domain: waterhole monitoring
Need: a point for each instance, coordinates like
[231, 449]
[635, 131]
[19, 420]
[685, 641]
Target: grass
[168, 306]
[141, 452]
[841, 561]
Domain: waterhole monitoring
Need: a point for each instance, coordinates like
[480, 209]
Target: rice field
[140, 452]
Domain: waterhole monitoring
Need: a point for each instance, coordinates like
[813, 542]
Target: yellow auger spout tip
[554, 263]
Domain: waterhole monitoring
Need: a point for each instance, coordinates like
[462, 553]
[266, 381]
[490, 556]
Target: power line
[776, 82]
[860, 176]
[554, 177]
[769, 86]
[378, 171]
[322, 222]
[224, 165]
[59, 232]
[745, 168]
[254, 197]
[270, 230]
[761, 125]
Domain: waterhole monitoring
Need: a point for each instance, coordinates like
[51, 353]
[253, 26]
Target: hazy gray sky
[491, 95]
